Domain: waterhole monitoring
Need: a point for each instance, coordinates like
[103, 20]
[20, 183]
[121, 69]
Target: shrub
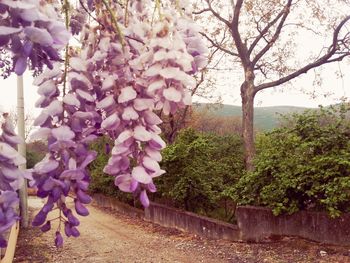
[303, 165]
[199, 169]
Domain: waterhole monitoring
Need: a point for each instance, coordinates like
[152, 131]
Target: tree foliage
[199, 168]
[304, 165]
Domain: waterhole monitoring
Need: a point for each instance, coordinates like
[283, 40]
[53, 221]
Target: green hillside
[265, 118]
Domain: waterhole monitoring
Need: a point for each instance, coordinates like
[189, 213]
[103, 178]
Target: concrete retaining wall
[114, 204]
[257, 223]
[170, 217]
[190, 222]
[254, 223]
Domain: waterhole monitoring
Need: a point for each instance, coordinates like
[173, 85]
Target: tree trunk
[247, 94]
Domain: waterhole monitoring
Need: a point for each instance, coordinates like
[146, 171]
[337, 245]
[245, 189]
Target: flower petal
[143, 104]
[63, 133]
[172, 94]
[141, 134]
[38, 35]
[130, 114]
[139, 174]
[71, 99]
[127, 94]
[111, 122]
[144, 198]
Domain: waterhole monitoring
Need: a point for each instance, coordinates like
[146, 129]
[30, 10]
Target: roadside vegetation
[304, 164]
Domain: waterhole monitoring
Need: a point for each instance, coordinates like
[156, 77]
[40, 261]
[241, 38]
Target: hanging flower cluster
[68, 126]
[145, 68]
[133, 63]
[31, 31]
[11, 178]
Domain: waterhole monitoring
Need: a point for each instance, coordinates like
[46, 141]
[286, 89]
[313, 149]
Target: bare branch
[325, 59]
[264, 31]
[201, 11]
[216, 14]
[285, 12]
[219, 45]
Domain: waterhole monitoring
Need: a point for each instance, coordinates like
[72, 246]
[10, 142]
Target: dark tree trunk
[247, 94]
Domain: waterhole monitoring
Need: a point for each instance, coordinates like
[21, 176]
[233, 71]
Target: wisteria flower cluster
[32, 31]
[132, 64]
[68, 126]
[11, 177]
[147, 69]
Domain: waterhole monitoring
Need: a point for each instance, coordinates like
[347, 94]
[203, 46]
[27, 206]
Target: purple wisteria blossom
[116, 82]
[11, 178]
[32, 31]
[68, 124]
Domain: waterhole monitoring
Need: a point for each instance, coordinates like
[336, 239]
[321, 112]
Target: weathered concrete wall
[114, 204]
[190, 222]
[254, 223]
[257, 223]
[170, 217]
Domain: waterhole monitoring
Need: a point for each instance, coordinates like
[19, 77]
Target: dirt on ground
[113, 237]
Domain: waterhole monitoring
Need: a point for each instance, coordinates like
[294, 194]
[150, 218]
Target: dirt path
[115, 238]
[107, 238]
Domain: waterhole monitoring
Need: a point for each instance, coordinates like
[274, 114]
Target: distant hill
[265, 118]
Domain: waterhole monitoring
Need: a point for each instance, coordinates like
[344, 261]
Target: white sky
[336, 88]
[296, 94]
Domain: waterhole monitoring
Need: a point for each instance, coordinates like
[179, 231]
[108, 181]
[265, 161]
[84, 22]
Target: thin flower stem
[126, 18]
[60, 218]
[89, 13]
[158, 6]
[115, 23]
[66, 59]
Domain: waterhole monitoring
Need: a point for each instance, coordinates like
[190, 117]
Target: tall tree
[263, 39]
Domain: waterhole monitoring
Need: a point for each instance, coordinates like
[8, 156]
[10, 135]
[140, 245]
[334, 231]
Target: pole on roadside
[23, 194]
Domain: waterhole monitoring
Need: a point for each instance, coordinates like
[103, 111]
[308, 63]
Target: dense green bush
[199, 169]
[303, 165]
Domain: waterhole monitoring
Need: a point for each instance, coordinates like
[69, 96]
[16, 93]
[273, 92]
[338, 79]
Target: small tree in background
[261, 39]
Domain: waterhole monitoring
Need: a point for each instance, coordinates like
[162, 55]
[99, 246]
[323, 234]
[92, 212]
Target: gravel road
[116, 238]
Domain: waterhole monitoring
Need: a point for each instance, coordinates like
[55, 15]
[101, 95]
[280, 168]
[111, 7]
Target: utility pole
[23, 194]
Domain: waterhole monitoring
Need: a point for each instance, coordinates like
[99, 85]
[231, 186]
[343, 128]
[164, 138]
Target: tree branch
[241, 47]
[264, 31]
[285, 13]
[201, 11]
[325, 59]
[219, 46]
[216, 14]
